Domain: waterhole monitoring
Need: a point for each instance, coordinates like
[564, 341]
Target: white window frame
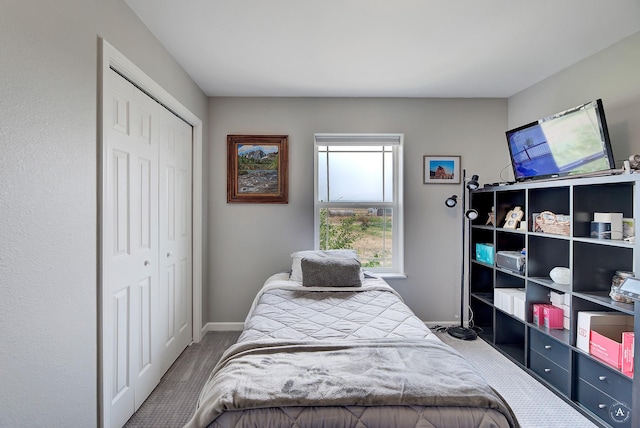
[397, 231]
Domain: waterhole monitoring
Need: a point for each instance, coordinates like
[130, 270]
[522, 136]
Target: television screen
[573, 142]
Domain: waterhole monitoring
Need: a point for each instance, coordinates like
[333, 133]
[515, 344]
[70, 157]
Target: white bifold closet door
[175, 236]
[146, 246]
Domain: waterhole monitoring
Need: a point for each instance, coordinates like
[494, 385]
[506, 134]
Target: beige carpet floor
[534, 404]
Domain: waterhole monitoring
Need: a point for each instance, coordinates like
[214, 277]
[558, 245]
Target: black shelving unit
[600, 391]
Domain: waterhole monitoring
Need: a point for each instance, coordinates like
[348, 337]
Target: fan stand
[462, 332]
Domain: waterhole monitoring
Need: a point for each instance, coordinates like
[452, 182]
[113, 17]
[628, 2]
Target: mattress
[343, 357]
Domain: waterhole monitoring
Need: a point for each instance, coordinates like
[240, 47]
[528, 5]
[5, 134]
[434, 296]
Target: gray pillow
[296, 258]
[330, 272]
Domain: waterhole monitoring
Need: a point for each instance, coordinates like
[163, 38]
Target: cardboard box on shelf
[587, 320]
[606, 342]
[627, 353]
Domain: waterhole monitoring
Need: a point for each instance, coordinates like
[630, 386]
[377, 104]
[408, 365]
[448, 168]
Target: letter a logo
[619, 412]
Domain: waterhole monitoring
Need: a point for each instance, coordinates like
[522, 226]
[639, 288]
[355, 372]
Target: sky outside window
[356, 174]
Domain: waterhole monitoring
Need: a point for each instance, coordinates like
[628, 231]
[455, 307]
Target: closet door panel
[175, 234]
[130, 250]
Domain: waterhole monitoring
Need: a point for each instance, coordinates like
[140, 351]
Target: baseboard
[432, 324]
[222, 326]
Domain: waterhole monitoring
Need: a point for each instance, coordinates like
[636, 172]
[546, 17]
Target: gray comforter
[361, 359]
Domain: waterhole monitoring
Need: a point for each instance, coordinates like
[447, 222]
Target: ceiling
[382, 48]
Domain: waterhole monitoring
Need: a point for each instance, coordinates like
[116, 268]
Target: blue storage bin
[485, 253]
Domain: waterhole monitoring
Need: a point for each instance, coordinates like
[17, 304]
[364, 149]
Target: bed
[327, 345]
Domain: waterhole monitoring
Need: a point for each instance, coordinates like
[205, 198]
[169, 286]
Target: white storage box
[557, 299]
[519, 305]
[510, 300]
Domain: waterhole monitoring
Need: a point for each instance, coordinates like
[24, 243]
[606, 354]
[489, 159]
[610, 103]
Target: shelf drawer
[610, 410]
[549, 348]
[607, 380]
[550, 372]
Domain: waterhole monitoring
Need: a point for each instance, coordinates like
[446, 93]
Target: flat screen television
[573, 142]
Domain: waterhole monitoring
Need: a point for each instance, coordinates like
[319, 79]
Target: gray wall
[247, 243]
[612, 74]
[256, 239]
[48, 202]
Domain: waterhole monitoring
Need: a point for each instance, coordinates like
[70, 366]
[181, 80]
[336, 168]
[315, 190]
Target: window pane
[388, 177]
[368, 231]
[355, 177]
[323, 189]
[356, 173]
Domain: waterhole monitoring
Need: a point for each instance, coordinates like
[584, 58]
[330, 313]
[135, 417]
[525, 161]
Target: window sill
[391, 275]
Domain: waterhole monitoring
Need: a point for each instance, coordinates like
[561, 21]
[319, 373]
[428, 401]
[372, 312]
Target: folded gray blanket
[272, 373]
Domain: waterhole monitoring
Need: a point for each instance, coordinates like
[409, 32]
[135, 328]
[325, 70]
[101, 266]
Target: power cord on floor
[443, 329]
[478, 330]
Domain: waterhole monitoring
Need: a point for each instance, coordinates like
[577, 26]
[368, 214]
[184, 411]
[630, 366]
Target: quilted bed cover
[343, 357]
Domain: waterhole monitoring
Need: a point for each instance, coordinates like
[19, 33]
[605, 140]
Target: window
[358, 198]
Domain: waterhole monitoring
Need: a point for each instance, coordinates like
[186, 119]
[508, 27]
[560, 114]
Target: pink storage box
[553, 317]
[627, 353]
[606, 342]
[538, 313]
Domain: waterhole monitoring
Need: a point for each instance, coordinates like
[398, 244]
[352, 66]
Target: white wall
[48, 201]
[612, 74]
[247, 243]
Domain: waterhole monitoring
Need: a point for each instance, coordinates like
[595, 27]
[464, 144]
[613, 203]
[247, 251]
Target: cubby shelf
[592, 264]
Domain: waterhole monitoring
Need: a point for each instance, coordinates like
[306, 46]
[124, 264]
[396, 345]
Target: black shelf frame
[592, 263]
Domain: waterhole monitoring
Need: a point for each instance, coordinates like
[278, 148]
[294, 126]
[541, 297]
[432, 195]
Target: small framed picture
[512, 220]
[441, 169]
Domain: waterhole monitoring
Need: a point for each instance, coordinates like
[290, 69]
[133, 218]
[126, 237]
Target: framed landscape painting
[257, 169]
[441, 169]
